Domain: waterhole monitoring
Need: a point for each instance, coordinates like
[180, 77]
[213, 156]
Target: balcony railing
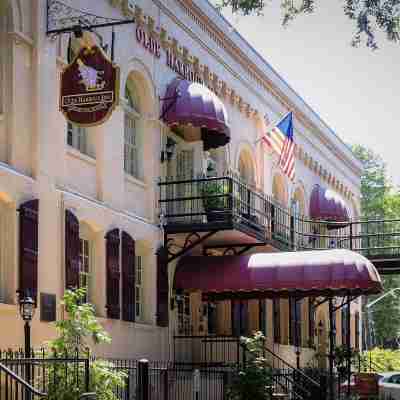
[227, 203]
[210, 203]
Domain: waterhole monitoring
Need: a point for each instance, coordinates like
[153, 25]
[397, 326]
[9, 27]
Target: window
[132, 151]
[345, 316]
[277, 320]
[212, 318]
[184, 327]
[240, 324]
[295, 322]
[77, 137]
[357, 331]
[139, 288]
[84, 262]
[262, 316]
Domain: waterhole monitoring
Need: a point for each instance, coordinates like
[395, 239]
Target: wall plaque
[48, 307]
[89, 88]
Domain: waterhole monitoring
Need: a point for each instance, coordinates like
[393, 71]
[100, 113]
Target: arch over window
[298, 202]
[279, 191]
[246, 167]
[132, 95]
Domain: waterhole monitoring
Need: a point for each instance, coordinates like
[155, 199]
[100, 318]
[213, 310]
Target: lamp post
[27, 310]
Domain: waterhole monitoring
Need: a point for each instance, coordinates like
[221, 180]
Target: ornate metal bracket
[192, 240]
[62, 18]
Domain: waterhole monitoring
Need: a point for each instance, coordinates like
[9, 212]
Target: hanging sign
[89, 88]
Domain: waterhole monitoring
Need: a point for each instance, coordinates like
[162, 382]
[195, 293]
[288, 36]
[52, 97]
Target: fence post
[87, 374]
[165, 383]
[143, 379]
[272, 219]
[292, 233]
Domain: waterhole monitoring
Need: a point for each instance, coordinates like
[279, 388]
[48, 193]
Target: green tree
[375, 186]
[379, 201]
[367, 15]
[76, 334]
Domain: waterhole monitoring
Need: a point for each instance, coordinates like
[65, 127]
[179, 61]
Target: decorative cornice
[259, 76]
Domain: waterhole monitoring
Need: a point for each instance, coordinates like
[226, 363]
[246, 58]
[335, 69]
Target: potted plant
[215, 196]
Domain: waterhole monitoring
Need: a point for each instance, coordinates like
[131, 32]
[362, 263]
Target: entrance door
[181, 168]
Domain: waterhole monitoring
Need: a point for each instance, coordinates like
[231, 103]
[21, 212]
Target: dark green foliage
[254, 380]
[367, 15]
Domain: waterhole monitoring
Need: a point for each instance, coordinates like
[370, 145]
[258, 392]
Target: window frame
[79, 138]
[133, 166]
[139, 288]
[85, 255]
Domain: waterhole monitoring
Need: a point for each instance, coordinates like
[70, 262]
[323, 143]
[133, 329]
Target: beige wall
[36, 162]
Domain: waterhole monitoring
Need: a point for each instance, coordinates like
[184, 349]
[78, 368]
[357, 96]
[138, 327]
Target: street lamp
[27, 311]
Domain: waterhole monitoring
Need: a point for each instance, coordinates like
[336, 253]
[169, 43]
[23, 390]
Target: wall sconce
[168, 153]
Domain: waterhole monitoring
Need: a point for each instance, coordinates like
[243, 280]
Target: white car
[389, 385]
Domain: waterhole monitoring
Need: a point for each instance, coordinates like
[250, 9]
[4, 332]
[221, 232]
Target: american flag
[280, 139]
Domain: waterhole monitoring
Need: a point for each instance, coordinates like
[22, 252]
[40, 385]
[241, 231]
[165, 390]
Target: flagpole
[271, 124]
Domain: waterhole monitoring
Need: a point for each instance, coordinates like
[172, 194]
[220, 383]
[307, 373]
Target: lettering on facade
[148, 42]
[185, 70]
[89, 88]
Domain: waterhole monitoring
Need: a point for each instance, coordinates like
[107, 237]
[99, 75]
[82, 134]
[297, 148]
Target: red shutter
[128, 277]
[112, 274]
[28, 248]
[162, 288]
[72, 247]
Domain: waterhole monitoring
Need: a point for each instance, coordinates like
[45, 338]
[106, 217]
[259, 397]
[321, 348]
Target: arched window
[132, 137]
[246, 168]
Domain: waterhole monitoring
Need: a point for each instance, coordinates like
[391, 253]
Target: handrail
[25, 384]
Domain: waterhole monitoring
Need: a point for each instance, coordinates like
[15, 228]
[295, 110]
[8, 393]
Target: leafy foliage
[382, 360]
[66, 381]
[254, 380]
[367, 15]
[379, 201]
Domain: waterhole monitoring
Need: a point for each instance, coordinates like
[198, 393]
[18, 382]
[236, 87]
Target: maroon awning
[326, 205]
[191, 103]
[336, 272]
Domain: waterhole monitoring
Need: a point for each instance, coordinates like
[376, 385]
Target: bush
[254, 380]
[66, 380]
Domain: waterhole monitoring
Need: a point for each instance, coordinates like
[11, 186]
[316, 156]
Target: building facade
[77, 199]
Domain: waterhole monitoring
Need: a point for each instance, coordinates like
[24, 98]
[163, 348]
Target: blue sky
[356, 91]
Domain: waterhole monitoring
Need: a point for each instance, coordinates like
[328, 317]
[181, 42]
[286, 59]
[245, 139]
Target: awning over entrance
[326, 205]
[191, 103]
[309, 273]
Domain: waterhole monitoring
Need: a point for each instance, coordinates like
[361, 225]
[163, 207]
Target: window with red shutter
[28, 248]
[128, 277]
[72, 247]
[112, 274]
[162, 288]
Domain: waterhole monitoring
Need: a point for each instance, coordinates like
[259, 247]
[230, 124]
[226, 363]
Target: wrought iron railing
[213, 201]
[210, 202]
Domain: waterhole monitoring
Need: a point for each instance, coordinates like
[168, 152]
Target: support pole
[143, 379]
[348, 339]
[332, 333]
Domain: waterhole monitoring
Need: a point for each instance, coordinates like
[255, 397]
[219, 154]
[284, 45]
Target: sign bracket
[62, 18]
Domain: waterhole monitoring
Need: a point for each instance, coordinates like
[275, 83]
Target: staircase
[289, 382]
